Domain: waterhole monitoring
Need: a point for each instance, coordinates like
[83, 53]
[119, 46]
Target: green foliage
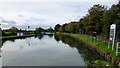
[70, 27]
[106, 24]
[13, 29]
[15, 36]
[93, 21]
[103, 63]
[50, 29]
[39, 30]
[57, 27]
[115, 16]
[10, 31]
[112, 16]
[89, 54]
[62, 28]
[98, 20]
[100, 45]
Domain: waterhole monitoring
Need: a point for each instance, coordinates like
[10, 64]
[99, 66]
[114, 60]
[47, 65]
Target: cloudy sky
[44, 13]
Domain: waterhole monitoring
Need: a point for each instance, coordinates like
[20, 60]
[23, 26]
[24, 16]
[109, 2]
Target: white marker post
[112, 35]
[114, 27]
[117, 48]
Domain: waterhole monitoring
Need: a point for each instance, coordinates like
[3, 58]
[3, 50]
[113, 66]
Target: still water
[47, 50]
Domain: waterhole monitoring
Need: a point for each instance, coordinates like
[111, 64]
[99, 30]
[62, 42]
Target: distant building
[19, 33]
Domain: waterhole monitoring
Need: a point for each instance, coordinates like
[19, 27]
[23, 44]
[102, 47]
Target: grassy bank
[100, 45]
[15, 36]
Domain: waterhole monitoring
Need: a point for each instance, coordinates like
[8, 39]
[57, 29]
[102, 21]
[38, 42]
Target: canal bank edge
[16, 37]
[106, 55]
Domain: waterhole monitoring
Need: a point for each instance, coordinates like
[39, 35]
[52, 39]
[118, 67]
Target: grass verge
[100, 45]
[15, 36]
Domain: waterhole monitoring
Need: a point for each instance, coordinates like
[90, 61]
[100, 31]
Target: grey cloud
[21, 16]
[37, 19]
[7, 21]
[8, 25]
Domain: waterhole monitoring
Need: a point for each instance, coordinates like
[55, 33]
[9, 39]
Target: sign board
[112, 31]
[112, 35]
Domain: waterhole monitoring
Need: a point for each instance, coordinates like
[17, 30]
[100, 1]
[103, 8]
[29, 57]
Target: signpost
[112, 35]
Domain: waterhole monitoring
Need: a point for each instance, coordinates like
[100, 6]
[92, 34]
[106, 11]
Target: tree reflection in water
[50, 35]
[57, 37]
[86, 52]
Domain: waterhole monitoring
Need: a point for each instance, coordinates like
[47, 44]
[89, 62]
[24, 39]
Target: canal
[47, 50]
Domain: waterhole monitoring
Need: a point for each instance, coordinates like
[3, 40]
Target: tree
[13, 29]
[115, 18]
[70, 27]
[50, 29]
[111, 16]
[86, 25]
[95, 18]
[39, 30]
[57, 27]
[81, 26]
[107, 21]
[98, 19]
[62, 28]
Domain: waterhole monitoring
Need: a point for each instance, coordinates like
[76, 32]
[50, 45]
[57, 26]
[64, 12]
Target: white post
[117, 49]
[109, 44]
[113, 37]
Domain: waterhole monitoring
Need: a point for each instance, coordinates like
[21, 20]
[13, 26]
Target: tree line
[14, 30]
[98, 19]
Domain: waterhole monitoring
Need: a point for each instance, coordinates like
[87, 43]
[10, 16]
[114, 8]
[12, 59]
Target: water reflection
[13, 40]
[28, 41]
[3, 41]
[57, 37]
[40, 37]
[50, 35]
[86, 52]
[43, 50]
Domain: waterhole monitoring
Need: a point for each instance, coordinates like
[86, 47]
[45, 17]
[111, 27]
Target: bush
[8, 33]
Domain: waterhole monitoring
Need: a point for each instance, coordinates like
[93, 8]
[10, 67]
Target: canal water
[47, 50]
